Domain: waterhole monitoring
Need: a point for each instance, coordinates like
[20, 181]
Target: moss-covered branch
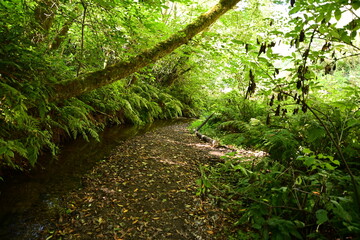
[94, 80]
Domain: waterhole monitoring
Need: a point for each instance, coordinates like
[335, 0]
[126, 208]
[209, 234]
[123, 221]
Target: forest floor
[145, 190]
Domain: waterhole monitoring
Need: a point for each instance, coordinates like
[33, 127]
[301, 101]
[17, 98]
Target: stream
[27, 201]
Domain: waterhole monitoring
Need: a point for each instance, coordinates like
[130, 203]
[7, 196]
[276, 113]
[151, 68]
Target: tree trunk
[45, 13]
[97, 79]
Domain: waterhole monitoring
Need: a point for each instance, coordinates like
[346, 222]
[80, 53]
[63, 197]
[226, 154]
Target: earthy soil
[145, 190]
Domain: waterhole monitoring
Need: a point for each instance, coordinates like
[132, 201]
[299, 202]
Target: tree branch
[97, 79]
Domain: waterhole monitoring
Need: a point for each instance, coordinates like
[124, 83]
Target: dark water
[27, 201]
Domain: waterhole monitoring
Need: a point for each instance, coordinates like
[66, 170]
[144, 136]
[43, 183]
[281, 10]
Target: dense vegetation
[281, 76]
[298, 100]
[46, 43]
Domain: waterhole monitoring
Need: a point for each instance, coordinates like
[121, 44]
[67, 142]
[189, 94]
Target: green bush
[283, 202]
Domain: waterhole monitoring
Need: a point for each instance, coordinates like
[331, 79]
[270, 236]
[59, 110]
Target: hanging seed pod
[251, 76]
[334, 67]
[326, 46]
[247, 48]
[304, 108]
[306, 69]
[302, 36]
[268, 119]
[305, 89]
[327, 69]
[295, 96]
[272, 100]
[298, 100]
[279, 97]
[272, 44]
[276, 72]
[262, 49]
[253, 86]
[296, 110]
[277, 112]
[300, 69]
[298, 84]
[292, 3]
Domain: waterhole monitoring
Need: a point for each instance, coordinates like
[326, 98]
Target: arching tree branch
[97, 79]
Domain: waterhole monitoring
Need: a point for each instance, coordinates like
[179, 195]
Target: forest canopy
[280, 76]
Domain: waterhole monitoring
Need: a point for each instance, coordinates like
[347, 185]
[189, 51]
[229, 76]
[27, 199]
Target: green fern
[281, 144]
[233, 126]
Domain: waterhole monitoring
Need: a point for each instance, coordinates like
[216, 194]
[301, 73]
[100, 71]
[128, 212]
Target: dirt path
[145, 190]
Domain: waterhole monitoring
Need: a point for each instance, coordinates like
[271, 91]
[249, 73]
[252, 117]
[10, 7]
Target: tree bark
[45, 13]
[97, 79]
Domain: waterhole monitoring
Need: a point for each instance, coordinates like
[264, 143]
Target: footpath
[145, 190]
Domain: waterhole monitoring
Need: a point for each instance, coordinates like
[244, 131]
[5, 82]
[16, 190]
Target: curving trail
[144, 190]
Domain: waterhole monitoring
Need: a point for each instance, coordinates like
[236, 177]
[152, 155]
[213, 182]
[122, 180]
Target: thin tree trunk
[61, 36]
[45, 13]
[97, 79]
[81, 55]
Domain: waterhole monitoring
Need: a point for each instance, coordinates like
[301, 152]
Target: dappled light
[258, 103]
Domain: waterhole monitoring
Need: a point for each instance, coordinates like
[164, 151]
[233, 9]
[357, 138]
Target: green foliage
[281, 144]
[137, 104]
[43, 43]
[301, 107]
[279, 202]
[74, 118]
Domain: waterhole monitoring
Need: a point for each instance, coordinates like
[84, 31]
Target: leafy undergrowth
[145, 190]
[274, 201]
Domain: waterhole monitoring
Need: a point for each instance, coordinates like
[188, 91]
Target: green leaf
[337, 13]
[309, 161]
[355, 4]
[242, 169]
[306, 151]
[299, 224]
[321, 216]
[336, 162]
[329, 166]
[237, 41]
